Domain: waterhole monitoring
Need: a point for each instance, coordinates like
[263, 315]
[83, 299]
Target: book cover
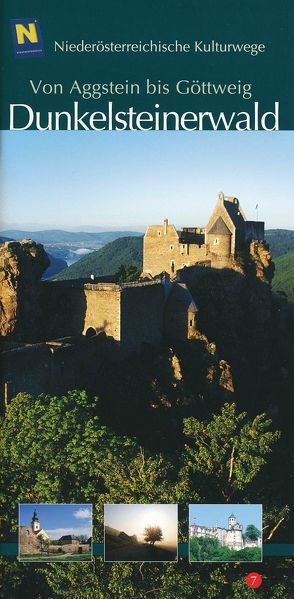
[146, 302]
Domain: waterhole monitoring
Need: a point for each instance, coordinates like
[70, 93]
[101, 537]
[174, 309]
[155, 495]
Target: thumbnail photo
[55, 532]
[225, 533]
[140, 532]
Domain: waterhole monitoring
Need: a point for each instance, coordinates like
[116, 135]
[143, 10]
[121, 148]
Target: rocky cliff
[22, 264]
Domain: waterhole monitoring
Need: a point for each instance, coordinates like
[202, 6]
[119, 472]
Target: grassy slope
[284, 275]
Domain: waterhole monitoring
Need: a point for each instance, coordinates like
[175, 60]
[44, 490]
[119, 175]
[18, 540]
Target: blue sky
[59, 519]
[208, 515]
[131, 179]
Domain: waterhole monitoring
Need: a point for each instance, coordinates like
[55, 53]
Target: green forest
[205, 549]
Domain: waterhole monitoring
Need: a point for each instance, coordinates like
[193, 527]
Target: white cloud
[83, 513]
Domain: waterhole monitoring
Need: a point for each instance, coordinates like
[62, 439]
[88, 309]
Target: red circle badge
[253, 580]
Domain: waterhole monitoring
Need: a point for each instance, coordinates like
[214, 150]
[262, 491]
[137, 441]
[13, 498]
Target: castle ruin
[53, 332]
[216, 245]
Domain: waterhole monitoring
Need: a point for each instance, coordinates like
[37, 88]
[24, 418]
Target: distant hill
[284, 275]
[4, 239]
[281, 241]
[59, 236]
[107, 260]
[56, 264]
[66, 247]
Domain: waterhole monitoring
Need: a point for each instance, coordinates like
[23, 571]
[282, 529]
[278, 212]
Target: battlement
[120, 287]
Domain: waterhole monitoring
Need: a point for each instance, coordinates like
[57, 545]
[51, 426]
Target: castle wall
[177, 325]
[54, 367]
[163, 251]
[193, 275]
[103, 309]
[180, 314]
[254, 230]
[192, 253]
[234, 539]
[64, 309]
[219, 244]
[160, 249]
[142, 308]
[26, 369]
[28, 541]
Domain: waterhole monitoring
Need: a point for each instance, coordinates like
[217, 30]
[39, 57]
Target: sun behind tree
[153, 534]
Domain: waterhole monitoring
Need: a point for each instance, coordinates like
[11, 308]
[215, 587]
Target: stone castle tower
[216, 245]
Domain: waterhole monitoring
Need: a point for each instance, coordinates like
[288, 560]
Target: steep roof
[235, 213]
[220, 227]
[180, 299]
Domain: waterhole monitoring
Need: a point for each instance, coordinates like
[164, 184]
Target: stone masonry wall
[103, 309]
[54, 367]
[162, 248]
[142, 307]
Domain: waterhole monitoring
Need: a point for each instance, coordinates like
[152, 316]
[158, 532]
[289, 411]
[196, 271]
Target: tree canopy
[153, 534]
[57, 449]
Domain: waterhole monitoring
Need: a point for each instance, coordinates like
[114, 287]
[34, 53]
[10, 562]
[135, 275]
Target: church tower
[232, 521]
[35, 522]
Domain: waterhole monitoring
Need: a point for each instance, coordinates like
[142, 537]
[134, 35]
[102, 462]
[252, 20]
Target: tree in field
[153, 534]
[44, 544]
[252, 532]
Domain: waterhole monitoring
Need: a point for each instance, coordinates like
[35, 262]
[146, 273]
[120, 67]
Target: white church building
[36, 529]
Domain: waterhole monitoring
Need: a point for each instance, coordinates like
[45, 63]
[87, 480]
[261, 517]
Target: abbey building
[231, 537]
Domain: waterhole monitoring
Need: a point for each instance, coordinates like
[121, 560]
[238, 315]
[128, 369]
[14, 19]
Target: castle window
[172, 266]
[216, 241]
[159, 233]
[171, 247]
